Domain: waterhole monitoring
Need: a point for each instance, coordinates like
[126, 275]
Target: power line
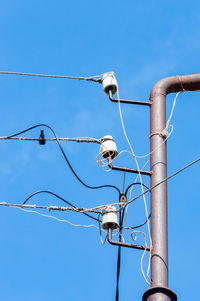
[96, 78]
[50, 208]
[57, 219]
[164, 180]
[84, 140]
[60, 198]
[65, 157]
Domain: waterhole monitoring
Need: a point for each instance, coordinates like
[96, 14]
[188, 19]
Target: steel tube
[159, 227]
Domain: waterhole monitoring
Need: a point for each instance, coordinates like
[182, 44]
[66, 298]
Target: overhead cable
[78, 139]
[164, 180]
[95, 78]
[60, 198]
[65, 157]
[51, 208]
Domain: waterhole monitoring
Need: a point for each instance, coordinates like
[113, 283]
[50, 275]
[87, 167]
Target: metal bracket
[135, 102]
[122, 244]
[125, 169]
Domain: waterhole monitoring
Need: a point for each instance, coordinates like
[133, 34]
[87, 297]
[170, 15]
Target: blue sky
[42, 259]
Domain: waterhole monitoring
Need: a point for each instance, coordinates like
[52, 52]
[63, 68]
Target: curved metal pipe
[159, 228]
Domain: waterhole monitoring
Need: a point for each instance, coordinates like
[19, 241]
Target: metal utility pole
[159, 290]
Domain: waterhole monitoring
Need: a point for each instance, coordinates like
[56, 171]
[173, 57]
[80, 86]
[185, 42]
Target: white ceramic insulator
[110, 218]
[109, 82]
[109, 148]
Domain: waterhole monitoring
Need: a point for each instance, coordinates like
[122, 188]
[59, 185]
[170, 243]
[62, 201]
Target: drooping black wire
[65, 157]
[60, 198]
[133, 184]
[127, 189]
[139, 226]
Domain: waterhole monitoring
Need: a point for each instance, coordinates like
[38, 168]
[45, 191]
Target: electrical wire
[65, 157]
[159, 183]
[133, 184]
[172, 110]
[138, 168]
[76, 139]
[165, 130]
[91, 78]
[121, 220]
[52, 208]
[127, 189]
[58, 219]
[139, 226]
[60, 198]
[121, 216]
[140, 176]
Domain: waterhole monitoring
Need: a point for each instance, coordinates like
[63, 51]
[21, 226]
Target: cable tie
[181, 84]
[162, 133]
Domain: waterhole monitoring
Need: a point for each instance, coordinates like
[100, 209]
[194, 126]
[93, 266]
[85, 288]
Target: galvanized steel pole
[159, 290]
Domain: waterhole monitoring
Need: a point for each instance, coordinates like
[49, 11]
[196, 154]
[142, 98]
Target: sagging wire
[138, 168]
[65, 157]
[105, 162]
[172, 110]
[57, 219]
[138, 226]
[132, 186]
[60, 198]
[167, 137]
[102, 207]
[164, 132]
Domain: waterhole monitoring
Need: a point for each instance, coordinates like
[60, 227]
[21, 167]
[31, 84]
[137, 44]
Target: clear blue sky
[142, 41]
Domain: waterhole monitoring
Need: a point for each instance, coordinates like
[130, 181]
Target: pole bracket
[123, 244]
[125, 169]
[133, 102]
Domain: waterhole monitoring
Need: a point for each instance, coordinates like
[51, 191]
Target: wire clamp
[162, 133]
[123, 199]
[42, 139]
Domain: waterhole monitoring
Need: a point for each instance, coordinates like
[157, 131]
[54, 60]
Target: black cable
[118, 273]
[127, 189]
[136, 227]
[83, 183]
[137, 183]
[59, 197]
[121, 220]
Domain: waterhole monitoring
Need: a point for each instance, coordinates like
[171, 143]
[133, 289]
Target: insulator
[110, 218]
[109, 82]
[109, 148]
